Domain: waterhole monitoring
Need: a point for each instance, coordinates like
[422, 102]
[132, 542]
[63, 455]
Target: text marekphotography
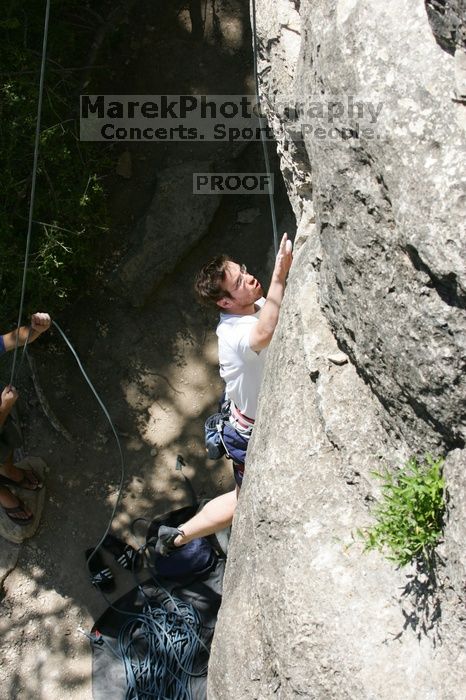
[222, 117]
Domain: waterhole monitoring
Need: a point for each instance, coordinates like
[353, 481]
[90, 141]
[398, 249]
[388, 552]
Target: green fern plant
[409, 516]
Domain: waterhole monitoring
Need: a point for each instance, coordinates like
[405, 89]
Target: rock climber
[246, 327]
[10, 439]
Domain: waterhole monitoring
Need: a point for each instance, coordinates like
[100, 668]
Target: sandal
[13, 513]
[124, 554]
[30, 481]
[101, 576]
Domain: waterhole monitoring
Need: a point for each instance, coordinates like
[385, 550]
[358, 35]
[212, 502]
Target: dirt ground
[155, 368]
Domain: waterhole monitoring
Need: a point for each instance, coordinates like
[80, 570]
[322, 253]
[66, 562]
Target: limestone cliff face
[367, 366]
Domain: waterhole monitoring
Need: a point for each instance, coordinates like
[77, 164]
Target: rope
[107, 415]
[160, 646]
[33, 183]
[261, 122]
[159, 650]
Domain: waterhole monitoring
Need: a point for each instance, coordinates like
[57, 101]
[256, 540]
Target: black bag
[197, 558]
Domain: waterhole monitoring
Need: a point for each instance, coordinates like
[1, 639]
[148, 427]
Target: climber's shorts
[236, 432]
[237, 446]
[238, 472]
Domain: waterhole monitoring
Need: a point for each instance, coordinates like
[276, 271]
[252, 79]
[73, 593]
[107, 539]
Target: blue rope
[159, 650]
[159, 647]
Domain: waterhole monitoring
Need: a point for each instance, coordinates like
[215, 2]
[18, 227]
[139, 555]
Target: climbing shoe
[125, 555]
[166, 540]
[100, 575]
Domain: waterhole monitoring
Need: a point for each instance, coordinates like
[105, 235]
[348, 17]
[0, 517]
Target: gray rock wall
[447, 21]
[366, 368]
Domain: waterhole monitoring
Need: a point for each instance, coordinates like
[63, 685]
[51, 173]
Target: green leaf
[409, 515]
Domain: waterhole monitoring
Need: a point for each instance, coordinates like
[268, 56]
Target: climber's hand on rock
[284, 259]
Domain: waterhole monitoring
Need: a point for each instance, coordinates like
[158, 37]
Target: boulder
[379, 280]
[176, 219]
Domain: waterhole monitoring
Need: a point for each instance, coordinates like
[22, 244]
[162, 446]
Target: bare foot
[25, 478]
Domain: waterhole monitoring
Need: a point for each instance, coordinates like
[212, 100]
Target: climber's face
[243, 289]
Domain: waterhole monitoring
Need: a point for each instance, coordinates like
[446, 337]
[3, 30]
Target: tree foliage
[70, 211]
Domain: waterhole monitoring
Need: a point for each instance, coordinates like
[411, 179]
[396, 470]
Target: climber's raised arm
[262, 332]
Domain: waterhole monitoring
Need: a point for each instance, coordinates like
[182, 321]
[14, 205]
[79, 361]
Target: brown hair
[208, 283]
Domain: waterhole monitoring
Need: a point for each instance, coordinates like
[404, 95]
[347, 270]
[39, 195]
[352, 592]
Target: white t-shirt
[240, 367]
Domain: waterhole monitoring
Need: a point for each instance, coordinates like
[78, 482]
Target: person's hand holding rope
[40, 322]
[8, 399]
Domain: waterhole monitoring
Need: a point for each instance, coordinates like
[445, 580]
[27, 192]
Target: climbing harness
[241, 423]
[214, 442]
[224, 437]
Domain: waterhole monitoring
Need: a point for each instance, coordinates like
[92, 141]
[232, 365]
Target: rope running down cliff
[261, 123]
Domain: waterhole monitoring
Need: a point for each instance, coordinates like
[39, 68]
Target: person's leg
[26, 477]
[216, 515]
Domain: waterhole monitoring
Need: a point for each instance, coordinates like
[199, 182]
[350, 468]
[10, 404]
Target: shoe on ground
[125, 555]
[100, 575]
[166, 540]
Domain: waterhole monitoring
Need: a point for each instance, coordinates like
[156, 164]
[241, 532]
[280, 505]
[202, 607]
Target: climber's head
[228, 284]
